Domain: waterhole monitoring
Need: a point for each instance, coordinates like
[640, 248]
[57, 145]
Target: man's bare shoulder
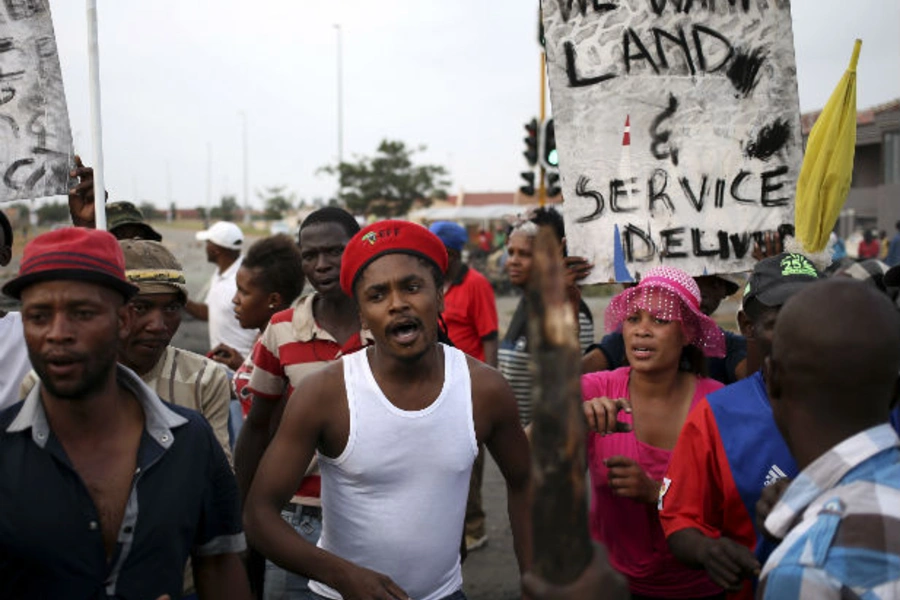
[313, 386]
[486, 379]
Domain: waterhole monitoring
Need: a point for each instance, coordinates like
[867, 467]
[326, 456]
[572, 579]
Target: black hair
[693, 361]
[7, 229]
[278, 258]
[547, 215]
[435, 272]
[332, 214]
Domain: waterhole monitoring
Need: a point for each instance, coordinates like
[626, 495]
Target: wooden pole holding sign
[96, 125]
[562, 545]
[542, 189]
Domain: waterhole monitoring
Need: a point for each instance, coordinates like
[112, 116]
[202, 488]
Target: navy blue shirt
[721, 369]
[183, 502]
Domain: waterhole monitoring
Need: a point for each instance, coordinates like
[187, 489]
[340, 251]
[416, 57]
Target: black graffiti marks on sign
[744, 70]
[769, 140]
[568, 7]
[660, 145]
[640, 244]
[18, 10]
[655, 51]
[685, 6]
[582, 191]
[690, 193]
[34, 125]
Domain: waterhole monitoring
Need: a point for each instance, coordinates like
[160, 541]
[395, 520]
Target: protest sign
[34, 121]
[678, 129]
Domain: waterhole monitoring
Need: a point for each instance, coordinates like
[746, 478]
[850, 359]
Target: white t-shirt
[224, 327]
[13, 357]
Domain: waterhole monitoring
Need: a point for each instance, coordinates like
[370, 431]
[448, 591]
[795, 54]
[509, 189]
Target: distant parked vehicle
[277, 227]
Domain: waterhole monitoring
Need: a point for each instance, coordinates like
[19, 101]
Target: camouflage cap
[126, 213]
[150, 266]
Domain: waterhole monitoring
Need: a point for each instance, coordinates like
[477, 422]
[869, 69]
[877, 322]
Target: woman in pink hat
[635, 414]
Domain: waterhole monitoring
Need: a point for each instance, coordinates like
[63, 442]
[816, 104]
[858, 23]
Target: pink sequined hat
[671, 294]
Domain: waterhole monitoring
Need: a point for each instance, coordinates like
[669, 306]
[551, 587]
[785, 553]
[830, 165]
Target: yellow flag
[828, 164]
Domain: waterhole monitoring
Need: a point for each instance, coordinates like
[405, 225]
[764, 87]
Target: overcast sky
[458, 76]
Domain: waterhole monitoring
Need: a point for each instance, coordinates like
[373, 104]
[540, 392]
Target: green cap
[126, 213]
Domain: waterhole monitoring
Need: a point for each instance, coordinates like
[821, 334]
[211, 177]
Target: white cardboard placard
[678, 130]
[34, 121]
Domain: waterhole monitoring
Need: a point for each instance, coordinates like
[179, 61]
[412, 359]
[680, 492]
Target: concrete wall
[881, 203]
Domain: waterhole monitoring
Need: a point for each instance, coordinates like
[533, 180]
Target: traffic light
[553, 185]
[528, 188]
[531, 142]
[549, 155]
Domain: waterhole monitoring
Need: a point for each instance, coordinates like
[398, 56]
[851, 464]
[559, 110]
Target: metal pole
[340, 101]
[246, 171]
[542, 189]
[340, 93]
[170, 216]
[208, 185]
[96, 124]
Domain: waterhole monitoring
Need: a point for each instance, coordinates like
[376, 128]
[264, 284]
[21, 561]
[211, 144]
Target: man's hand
[598, 580]
[627, 479]
[81, 197]
[728, 563]
[601, 415]
[226, 355]
[772, 245]
[577, 268]
[770, 496]
[358, 583]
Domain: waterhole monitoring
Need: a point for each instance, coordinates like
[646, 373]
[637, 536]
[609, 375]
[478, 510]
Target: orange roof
[863, 117]
[490, 198]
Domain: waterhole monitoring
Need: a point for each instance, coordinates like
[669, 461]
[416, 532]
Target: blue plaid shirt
[840, 520]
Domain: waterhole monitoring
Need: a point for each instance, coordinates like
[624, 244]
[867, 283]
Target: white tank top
[394, 501]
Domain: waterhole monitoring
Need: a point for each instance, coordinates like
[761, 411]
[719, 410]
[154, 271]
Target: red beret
[389, 237]
[74, 254]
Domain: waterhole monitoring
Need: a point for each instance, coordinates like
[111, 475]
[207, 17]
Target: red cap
[72, 253]
[389, 237]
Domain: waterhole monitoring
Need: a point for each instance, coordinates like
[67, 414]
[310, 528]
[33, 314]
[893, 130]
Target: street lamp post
[246, 170]
[340, 102]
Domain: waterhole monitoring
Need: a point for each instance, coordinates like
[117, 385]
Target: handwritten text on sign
[677, 124]
[34, 121]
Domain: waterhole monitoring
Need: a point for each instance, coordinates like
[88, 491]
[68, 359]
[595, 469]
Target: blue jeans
[284, 585]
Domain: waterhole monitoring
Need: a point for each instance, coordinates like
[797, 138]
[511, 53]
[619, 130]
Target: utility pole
[340, 102]
[208, 185]
[246, 170]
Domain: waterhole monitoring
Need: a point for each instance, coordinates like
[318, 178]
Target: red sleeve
[483, 307]
[692, 495]
[267, 378]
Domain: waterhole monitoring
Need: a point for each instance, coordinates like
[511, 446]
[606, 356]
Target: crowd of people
[331, 444]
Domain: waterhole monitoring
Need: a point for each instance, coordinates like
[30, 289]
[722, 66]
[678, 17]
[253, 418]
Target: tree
[276, 201]
[54, 212]
[225, 210]
[388, 183]
[149, 210]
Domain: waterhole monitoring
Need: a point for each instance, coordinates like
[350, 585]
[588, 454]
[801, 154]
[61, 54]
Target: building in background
[874, 199]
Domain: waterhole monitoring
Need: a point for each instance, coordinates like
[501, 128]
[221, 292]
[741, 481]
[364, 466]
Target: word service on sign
[34, 120]
[678, 130]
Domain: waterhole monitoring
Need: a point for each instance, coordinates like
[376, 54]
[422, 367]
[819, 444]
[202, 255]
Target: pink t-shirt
[631, 530]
